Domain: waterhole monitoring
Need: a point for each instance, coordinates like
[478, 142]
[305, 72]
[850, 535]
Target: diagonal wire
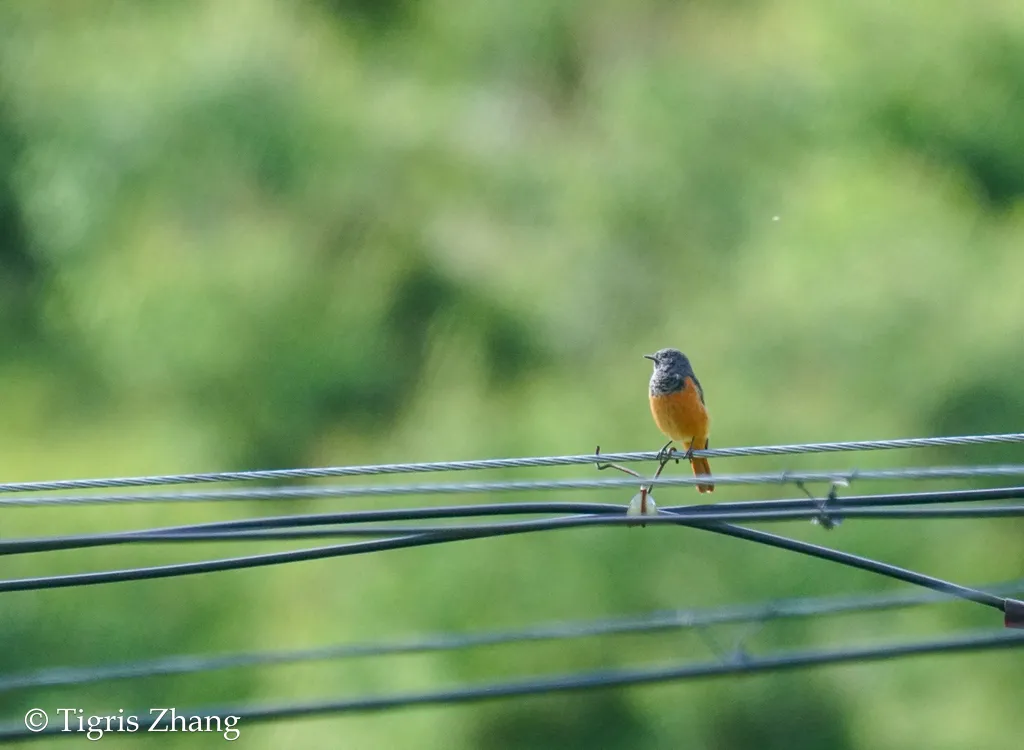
[416, 540]
[969, 642]
[652, 622]
[499, 463]
[862, 563]
[462, 488]
[46, 544]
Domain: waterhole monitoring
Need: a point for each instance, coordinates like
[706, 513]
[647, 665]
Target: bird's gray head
[671, 368]
[670, 362]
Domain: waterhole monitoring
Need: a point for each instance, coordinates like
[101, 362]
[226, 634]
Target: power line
[647, 623]
[761, 516]
[498, 463]
[198, 533]
[45, 544]
[1011, 608]
[862, 563]
[716, 518]
[886, 499]
[464, 488]
[837, 507]
[739, 664]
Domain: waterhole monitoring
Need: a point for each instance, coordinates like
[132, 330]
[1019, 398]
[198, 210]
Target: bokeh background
[268, 234]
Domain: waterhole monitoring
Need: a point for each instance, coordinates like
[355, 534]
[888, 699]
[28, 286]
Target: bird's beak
[651, 357]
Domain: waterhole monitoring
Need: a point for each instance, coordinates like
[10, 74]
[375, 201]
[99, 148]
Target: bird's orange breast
[681, 415]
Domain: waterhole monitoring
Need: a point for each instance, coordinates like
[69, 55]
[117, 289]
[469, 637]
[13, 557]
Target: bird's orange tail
[701, 467]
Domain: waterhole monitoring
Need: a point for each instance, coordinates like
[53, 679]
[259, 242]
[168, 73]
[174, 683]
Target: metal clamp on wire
[1014, 610]
[642, 503]
[824, 518]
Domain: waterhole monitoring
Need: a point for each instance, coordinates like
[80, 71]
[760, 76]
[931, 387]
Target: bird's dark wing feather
[700, 390]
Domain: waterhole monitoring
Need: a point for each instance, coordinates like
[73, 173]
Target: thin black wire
[745, 511]
[764, 516]
[862, 563]
[416, 540]
[461, 488]
[526, 508]
[499, 509]
[739, 664]
[648, 623]
[887, 499]
[46, 544]
[197, 534]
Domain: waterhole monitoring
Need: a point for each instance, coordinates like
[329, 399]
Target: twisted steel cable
[499, 463]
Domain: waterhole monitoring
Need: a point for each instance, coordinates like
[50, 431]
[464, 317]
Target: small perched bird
[677, 403]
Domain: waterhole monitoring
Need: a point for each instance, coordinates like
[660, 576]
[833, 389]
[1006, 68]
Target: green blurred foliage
[344, 231]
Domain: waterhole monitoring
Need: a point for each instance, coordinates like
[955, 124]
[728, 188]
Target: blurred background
[272, 234]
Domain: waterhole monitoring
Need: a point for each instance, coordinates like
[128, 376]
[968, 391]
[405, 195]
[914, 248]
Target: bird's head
[669, 360]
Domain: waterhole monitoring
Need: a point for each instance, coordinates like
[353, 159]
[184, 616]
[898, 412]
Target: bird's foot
[689, 452]
[666, 454]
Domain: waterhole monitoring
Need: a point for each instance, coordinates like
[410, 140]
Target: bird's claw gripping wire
[666, 454]
[687, 455]
[689, 452]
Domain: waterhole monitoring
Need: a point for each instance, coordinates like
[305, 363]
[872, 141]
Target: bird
[677, 404]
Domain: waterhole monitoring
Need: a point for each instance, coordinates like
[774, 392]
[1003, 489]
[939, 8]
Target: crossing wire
[270, 529]
[711, 517]
[647, 623]
[738, 664]
[1011, 608]
[840, 505]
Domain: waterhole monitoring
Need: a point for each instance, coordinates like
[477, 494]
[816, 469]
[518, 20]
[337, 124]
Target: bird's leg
[664, 456]
[664, 451]
[689, 451]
